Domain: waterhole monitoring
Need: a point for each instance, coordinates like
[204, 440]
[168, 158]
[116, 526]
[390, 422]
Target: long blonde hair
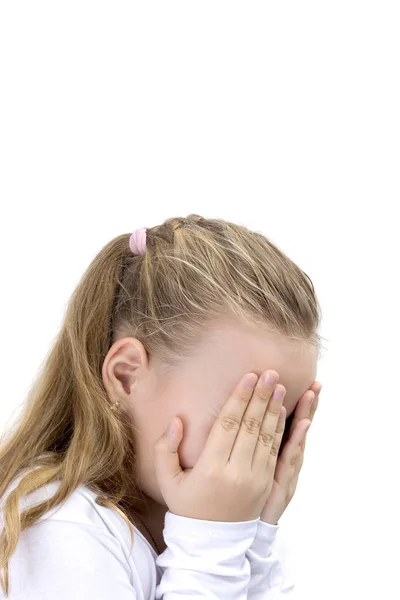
[194, 270]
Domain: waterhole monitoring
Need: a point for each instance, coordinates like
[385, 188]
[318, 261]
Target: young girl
[177, 323]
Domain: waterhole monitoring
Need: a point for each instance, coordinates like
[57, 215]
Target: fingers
[246, 428]
[302, 410]
[316, 387]
[262, 414]
[292, 457]
[291, 452]
[265, 461]
[297, 443]
[314, 407]
[306, 406]
[225, 428]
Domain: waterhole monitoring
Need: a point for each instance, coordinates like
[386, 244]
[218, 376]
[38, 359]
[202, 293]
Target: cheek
[192, 444]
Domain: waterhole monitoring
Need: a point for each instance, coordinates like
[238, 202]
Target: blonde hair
[194, 271]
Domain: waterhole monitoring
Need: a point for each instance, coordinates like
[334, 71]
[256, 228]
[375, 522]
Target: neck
[152, 515]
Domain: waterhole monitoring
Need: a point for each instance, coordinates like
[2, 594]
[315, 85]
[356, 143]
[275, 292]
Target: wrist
[270, 523]
[270, 519]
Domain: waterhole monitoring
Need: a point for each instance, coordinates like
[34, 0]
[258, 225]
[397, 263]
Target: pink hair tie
[137, 241]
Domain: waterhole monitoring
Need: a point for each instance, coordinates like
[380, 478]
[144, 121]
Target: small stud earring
[115, 405]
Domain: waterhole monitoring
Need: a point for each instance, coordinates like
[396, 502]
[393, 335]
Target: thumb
[166, 456]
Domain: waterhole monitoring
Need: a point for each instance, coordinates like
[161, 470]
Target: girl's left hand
[291, 456]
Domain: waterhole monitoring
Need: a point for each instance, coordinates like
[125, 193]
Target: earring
[115, 405]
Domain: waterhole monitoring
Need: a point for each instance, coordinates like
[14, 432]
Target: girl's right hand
[234, 475]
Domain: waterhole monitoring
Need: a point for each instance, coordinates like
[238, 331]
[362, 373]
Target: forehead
[235, 349]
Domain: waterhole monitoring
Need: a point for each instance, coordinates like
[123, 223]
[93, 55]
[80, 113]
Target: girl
[175, 324]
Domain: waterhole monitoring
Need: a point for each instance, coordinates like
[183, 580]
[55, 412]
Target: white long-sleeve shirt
[82, 551]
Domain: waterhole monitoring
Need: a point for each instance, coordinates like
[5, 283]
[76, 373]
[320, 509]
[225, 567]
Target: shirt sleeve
[57, 559]
[205, 559]
[271, 578]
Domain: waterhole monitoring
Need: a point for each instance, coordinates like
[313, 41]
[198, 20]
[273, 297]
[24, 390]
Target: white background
[282, 117]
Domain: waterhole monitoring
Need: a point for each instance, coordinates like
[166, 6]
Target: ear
[125, 363]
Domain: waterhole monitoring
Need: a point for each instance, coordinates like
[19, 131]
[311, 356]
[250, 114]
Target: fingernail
[250, 380]
[278, 393]
[269, 379]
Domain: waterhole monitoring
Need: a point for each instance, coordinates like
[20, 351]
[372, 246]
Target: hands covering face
[291, 455]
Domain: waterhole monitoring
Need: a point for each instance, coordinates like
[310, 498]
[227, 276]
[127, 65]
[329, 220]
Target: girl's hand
[291, 456]
[235, 472]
